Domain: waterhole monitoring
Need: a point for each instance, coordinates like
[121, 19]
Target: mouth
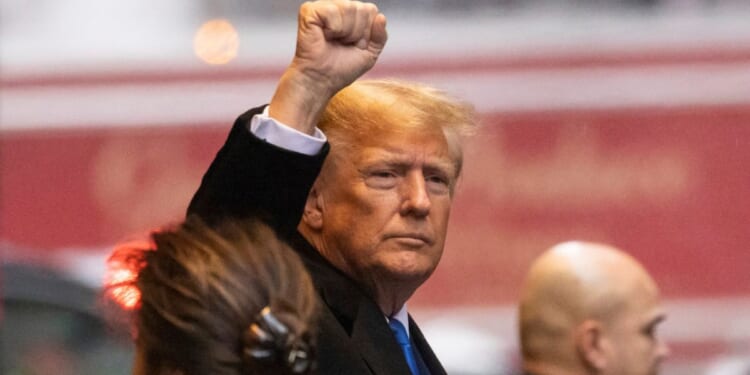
[412, 239]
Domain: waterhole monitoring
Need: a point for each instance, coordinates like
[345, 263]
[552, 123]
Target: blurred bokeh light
[216, 42]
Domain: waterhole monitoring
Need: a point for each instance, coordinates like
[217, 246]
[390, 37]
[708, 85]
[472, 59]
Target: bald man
[589, 308]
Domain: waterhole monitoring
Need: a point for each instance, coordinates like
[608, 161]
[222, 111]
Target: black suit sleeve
[251, 177]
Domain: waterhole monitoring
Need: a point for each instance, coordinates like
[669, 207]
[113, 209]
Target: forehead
[643, 308]
[429, 145]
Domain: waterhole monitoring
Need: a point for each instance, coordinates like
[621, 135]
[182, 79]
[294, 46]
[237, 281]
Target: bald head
[575, 287]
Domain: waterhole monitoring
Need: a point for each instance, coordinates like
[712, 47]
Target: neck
[390, 299]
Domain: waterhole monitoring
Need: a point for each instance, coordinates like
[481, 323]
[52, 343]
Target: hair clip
[274, 341]
[279, 330]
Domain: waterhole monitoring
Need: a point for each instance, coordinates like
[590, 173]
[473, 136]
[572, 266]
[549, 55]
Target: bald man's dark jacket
[250, 177]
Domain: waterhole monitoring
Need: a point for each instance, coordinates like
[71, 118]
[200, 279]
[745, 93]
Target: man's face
[635, 348]
[385, 208]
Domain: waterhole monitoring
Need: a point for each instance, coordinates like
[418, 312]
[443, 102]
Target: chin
[411, 274]
[410, 271]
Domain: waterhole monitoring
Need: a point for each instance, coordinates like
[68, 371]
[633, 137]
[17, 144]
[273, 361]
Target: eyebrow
[656, 319]
[398, 161]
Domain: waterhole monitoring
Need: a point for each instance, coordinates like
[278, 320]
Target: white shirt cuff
[278, 134]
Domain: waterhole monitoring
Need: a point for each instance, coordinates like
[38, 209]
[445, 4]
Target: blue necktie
[403, 339]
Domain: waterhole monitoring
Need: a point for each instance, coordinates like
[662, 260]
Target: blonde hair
[366, 107]
[202, 290]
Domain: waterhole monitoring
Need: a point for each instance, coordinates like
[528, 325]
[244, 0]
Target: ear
[313, 214]
[591, 344]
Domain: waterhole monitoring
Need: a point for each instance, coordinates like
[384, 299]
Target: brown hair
[367, 107]
[202, 292]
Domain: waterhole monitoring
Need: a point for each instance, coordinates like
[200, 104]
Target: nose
[414, 195]
[664, 350]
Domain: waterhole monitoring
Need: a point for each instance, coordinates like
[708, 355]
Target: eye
[381, 179]
[383, 174]
[437, 180]
[650, 330]
[438, 183]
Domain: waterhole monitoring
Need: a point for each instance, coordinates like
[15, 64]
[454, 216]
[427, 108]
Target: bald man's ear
[313, 214]
[591, 344]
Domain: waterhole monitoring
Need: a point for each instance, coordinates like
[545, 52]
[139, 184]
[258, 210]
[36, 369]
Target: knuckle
[305, 7]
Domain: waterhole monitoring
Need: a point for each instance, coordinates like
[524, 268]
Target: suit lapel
[375, 341]
[359, 316]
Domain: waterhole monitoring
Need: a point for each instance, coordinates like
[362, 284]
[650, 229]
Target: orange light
[127, 295]
[122, 271]
[216, 42]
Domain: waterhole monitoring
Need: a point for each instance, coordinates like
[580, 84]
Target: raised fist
[337, 42]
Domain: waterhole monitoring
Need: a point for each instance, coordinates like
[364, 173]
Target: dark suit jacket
[251, 177]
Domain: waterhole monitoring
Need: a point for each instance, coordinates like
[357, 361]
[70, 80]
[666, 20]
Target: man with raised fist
[358, 177]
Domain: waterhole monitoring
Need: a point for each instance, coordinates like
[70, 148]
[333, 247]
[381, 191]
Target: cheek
[351, 204]
[653, 349]
[441, 213]
[640, 351]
